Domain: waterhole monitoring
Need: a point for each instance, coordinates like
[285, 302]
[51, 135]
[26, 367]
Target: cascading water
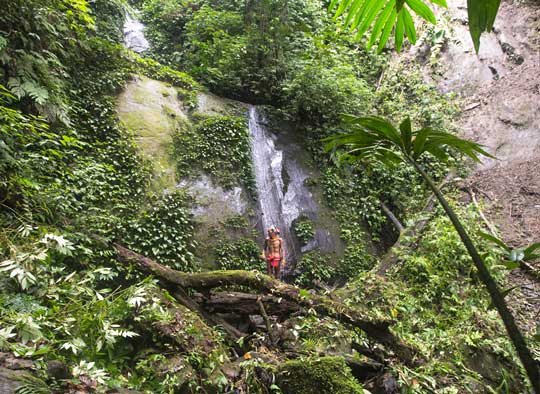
[134, 38]
[279, 203]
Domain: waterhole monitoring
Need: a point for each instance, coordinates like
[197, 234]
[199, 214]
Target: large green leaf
[529, 252]
[495, 240]
[399, 31]
[353, 10]
[420, 140]
[387, 30]
[382, 127]
[361, 14]
[406, 134]
[482, 15]
[369, 17]
[380, 23]
[409, 26]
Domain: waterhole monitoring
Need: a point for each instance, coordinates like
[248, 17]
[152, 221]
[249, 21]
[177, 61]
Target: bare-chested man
[274, 252]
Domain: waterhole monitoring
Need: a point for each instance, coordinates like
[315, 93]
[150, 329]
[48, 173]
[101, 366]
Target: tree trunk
[497, 298]
[247, 304]
[378, 330]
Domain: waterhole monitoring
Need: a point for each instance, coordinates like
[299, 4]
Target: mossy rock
[321, 375]
[13, 380]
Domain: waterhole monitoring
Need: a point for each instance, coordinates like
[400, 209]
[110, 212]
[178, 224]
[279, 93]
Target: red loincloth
[274, 260]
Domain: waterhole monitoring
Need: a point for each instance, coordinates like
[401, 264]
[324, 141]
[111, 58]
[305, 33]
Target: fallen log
[246, 304]
[378, 330]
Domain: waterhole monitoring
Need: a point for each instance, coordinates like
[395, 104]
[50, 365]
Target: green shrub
[241, 254]
[304, 230]
[219, 145]
[315, 267]
[165, 232]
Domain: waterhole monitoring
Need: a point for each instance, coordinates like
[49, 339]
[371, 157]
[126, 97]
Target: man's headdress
[273, 229]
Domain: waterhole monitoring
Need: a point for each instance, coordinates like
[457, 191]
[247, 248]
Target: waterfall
[134, 38]
[279, 203]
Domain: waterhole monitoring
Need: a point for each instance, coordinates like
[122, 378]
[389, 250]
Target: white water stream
[134, 38]
[281, 202]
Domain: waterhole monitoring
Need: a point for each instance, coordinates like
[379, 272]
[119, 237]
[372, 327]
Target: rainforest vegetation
[112, 281]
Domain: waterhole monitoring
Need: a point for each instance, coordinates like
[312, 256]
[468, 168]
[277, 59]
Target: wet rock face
[13, 372]
[499, 85]
[212, 202]
[10, 380]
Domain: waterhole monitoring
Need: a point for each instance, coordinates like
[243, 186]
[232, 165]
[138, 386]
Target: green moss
[321, 375]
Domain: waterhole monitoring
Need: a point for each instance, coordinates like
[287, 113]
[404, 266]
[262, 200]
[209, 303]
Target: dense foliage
[73, 180]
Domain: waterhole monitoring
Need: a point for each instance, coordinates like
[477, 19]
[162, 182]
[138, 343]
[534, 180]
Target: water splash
[134, 38]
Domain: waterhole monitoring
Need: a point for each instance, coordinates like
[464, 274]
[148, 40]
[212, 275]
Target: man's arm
[265, 247]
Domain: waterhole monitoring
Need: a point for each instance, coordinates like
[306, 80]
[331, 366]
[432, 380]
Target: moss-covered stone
[151, 111]
[321, 375]
[12, 380]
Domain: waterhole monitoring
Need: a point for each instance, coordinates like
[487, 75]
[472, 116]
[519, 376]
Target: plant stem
[497, 298]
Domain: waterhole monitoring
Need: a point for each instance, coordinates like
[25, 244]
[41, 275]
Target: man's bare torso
[273, 245]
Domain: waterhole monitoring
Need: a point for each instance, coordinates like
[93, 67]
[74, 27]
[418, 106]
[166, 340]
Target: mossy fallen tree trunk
[377, 330]
[248, 304]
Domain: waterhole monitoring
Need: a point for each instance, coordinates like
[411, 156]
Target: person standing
[274, 252]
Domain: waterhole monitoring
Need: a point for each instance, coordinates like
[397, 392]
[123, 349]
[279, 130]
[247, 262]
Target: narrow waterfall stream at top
[134, 38]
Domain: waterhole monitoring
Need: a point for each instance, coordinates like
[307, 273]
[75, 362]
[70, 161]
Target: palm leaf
[380, 23]
[481, 18]
[420, 140]
[406, 134]
[422, 10]
[382, 127]
[495, 240]
[361, 14]
[376, 138]
[399, 31]
[529, 252]
[368, 19]
[353, 11]
[387, 29]
[409, 26]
